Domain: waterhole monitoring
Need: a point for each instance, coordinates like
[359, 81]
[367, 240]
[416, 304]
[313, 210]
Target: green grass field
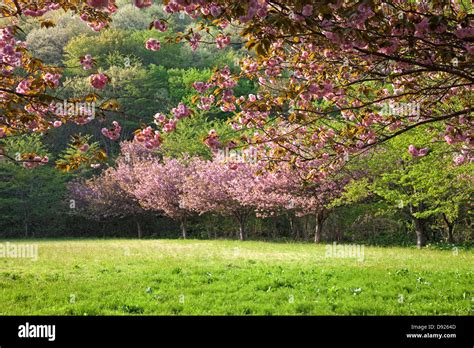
[171, 277]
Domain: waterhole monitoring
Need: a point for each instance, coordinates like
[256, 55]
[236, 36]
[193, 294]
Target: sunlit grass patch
[171, 277]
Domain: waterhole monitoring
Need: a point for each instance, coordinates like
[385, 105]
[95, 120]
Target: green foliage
[99, 46]
[75, 157]
[31, 200]
[130, 17]
[132, 43]
[180, 82]
[354, 192]
[49, 43]
[188, 137]
[432, 181]
[422, 187]
[14, 146]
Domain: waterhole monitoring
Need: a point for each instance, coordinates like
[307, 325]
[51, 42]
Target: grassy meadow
[176, 277]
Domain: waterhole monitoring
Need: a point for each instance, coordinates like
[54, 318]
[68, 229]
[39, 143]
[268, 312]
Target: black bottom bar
[248, 331]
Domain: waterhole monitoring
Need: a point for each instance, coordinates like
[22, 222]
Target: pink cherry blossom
[449, 139]
[201, 87]
[113, 133]
[222, 41]
[98, 3]
[459, 159]
[150, 138]
[153, 45]
[307, 10]
[170, 126]
[160, 25]
[159, 118]
[215, 10]
[53, 79]
[417, 153]
[205, 103]
[84, 148]
[142, 3]
[23, 87]
[99, 81]
[194, 41]
[86, 62]
[181, 111]
[35, 12]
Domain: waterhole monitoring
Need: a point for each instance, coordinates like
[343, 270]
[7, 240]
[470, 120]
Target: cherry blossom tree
[240, 188]
[222, 188]
[160, 187]
[339, 77]
[336, 76]
[29, 101]
[102, 197]
[283, 190]
[155, 183]
[316, 199]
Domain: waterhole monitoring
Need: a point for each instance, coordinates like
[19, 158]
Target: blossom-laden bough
[336, 76]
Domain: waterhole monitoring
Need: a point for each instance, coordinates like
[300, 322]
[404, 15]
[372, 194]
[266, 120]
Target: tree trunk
[450, 233]
[292, 225]
[319, 227]
[419, 226]
[450, 226]
[241, 219]
[183, 228]
[139, 229]
[420, 232]
[298, 235]
[305, 228]
[241, 230]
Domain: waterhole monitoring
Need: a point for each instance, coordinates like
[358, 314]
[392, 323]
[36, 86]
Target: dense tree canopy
[337, 76]
[375, 93]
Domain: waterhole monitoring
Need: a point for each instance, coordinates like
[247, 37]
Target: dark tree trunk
[139, 229]
[450, 226]
[305, 228]
[318, 231]
[292, 225]
[298, 234]
[450, 234]
[241, 218]
[183, 228]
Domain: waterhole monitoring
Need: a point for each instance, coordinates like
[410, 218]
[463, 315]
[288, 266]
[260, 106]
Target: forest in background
[374, 209]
